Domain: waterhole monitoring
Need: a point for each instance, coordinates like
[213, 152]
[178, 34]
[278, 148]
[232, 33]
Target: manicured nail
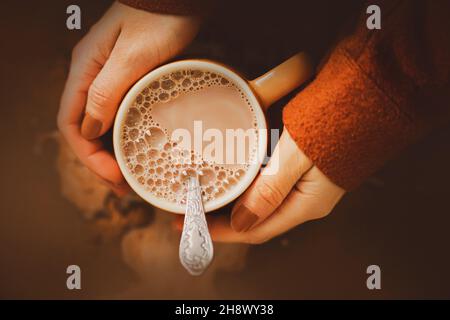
[123, 184]
[91, 127]
[115, 184]
[242, 219]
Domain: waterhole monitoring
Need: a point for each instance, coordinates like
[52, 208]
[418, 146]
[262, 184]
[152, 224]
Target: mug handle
[282, 79]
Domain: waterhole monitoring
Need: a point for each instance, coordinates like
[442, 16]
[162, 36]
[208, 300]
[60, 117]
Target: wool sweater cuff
[345, 124]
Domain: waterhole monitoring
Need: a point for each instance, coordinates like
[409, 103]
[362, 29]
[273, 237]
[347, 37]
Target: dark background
[398, 219]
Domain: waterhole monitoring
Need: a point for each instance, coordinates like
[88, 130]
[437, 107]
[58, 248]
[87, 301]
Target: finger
[313, 197]
[129, 61]
[285, 167]
[178, 222]
[119, 190]
[87, 59]
[93, 155]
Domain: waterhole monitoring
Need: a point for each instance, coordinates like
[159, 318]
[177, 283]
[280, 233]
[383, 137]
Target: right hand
[125, 44]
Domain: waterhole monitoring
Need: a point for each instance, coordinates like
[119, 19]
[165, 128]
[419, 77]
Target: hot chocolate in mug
[189, 94]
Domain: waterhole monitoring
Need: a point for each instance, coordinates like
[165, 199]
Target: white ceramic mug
[261, 92]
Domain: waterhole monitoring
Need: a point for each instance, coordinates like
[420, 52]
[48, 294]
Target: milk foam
[162, 165]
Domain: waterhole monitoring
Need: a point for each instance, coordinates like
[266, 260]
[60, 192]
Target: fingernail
[115, 184]
[91, 127]
[123, 190]
[122, 184]
[242, 219]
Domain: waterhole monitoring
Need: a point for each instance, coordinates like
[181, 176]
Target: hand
[289, 191]
[125, 44]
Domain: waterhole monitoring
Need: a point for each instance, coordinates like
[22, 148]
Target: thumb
[271, 187]
[118, 74]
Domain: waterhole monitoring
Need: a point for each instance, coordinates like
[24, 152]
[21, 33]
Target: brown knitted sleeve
[177, 7]
[378, 92]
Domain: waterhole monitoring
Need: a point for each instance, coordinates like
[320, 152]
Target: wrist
[173, 7]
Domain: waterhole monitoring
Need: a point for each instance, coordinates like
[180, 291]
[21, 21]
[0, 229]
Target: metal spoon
[196, 248]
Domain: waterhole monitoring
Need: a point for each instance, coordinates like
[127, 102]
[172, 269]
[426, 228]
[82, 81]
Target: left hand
[120, 48]
[289, 191]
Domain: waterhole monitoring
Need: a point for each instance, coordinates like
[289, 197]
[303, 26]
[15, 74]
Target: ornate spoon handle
[196, 248]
